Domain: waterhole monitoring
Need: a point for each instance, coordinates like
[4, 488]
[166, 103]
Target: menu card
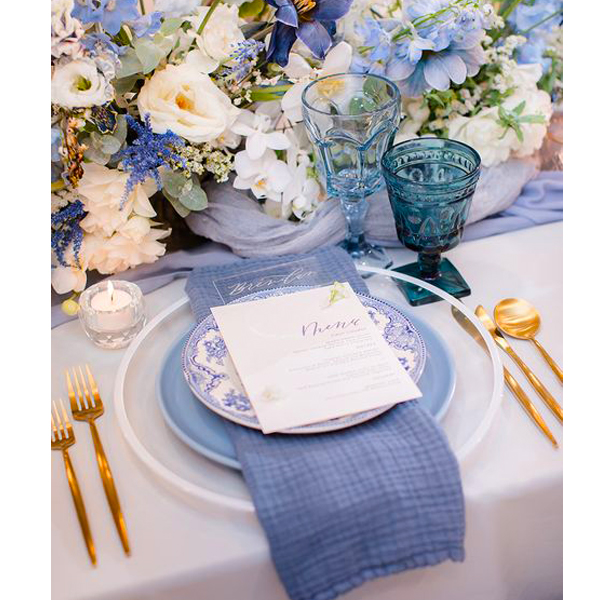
[311, 356]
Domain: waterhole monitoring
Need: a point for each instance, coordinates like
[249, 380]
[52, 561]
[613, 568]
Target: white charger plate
[200, 481]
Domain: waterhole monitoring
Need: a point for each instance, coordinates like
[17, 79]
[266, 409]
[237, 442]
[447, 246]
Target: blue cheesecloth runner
[343, 507]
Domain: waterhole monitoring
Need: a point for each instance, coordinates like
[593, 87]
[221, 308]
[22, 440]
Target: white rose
[119, 252]
[78, 83]
[187, 102]
[101, 191]
[535, 103]
[485, 134]
[221, 32]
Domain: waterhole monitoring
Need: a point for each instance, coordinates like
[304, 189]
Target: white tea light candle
[112, 313]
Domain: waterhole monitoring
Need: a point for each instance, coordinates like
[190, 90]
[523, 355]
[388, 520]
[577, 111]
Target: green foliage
[184, 194]
[100, 148]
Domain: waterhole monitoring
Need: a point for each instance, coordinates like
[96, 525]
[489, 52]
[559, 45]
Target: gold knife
[512, 384]
[500, 340]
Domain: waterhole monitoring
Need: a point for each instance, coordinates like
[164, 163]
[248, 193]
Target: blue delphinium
[65, 230]
[535, 21]
[97, 44]
[312, 21]
[148, 152]
[435, 43]
[112, 14]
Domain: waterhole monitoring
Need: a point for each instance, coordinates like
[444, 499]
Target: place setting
[331, 343]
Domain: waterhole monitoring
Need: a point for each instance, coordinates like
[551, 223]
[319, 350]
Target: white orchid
[257, 127]
[266, 177]
[302, 194]
[299, 70]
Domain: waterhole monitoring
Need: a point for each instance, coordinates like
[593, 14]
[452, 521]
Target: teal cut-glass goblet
[351, 119]
[431, 182]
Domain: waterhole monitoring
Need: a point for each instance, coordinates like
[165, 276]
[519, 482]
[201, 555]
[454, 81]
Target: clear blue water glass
[431, 182]
[352, 119]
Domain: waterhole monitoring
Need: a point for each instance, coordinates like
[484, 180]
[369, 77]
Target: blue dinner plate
[204, 431]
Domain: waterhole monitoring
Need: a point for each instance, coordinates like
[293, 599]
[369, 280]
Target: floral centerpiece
[153, 98]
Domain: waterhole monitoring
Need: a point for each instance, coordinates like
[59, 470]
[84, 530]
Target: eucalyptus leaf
[175, 183]
[170, 25]
[179, 208]
[129, 64]
[121, 129]
[149, 54]
[194, 199]
[126, 84]
[95, 155]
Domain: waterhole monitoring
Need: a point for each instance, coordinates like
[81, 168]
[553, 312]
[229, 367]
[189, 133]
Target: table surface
[512, 482]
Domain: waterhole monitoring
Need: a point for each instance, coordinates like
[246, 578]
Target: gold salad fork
[88, 406]
[62, 437]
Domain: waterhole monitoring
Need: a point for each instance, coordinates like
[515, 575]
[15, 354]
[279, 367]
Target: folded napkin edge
[429, 559]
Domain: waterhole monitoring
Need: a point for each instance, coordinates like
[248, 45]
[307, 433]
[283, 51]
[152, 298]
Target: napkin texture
[344, 507]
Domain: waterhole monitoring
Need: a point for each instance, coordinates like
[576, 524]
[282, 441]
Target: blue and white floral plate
[211, 375]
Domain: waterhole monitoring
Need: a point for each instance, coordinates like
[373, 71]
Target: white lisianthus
[66, 31]
[67, 279]
[257, 128]
[417, 115]
[101, 191]
[298, 69]
[187, 102]
[537, 103]
[484, 133]
[266, 177]
[221, 33]
[79, 84]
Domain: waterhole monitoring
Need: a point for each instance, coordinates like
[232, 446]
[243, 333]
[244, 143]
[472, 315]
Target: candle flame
[110, 291]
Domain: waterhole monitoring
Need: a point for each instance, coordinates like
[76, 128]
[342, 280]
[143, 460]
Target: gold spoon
[521, 320]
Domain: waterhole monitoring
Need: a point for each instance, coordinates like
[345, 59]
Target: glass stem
[354, 211]
[429, 265]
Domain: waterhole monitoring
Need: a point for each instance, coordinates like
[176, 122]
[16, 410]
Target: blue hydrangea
[535, 21]
[112, 14]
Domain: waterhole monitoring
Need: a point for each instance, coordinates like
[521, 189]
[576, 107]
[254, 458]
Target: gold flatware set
[521, 320]
[86, 405]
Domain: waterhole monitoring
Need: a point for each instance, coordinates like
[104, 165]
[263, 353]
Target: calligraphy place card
[311, 356]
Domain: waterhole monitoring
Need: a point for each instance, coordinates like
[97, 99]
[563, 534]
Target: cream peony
[101, 191]
[220, 34]
[67, 279]
[79, 84]
[187, 102]
[483, 132]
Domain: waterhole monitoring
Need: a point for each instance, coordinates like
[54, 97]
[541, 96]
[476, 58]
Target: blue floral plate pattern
[211, 375]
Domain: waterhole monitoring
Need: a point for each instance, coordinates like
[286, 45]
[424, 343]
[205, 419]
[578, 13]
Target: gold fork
[62, 437]
[88, 406]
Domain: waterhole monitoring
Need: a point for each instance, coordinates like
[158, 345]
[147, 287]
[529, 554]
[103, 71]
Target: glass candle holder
[431, 182]
[112, 313]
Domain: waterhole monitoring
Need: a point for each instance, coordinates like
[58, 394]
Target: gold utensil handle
[79, 506]
[549, 400]
[524, 400]
[110, 489]
[557, 370]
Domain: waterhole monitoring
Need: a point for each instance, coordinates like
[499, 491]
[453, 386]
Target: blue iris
[312, 21]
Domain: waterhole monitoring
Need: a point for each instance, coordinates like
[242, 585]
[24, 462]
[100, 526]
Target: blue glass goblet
[351, 119]
[431, 182]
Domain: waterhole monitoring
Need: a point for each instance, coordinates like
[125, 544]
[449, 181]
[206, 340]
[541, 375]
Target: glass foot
[449, 280]
[368, 255]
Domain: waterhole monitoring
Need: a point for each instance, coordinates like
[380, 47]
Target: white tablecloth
[512, 483]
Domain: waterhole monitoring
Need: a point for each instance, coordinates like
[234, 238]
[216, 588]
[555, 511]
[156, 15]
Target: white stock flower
[78, 84]
[101, 191]
[186, 101]
[257, 128]
[265, 177]
[66, 31]
[120, 252]
[298, 69]
[484, 133]
[220, 34]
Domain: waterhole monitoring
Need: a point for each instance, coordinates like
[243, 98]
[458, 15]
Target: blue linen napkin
[344, 507]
